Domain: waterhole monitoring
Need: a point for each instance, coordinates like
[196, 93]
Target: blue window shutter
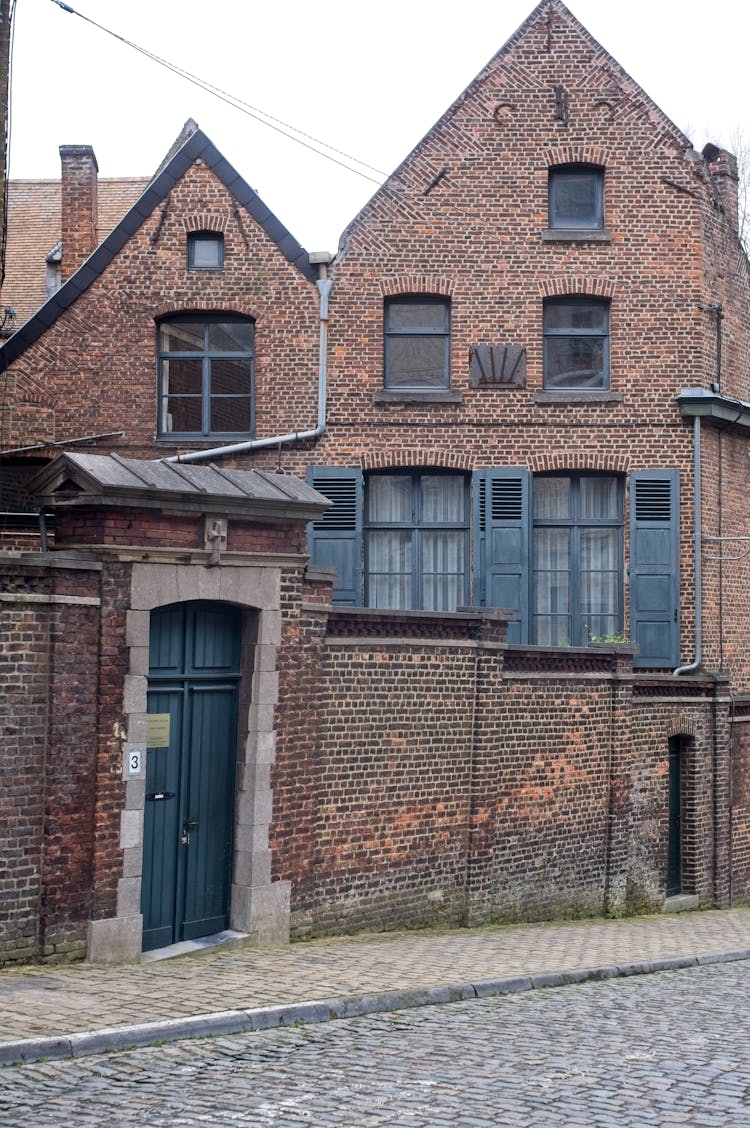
[335, 540]
[502, 520]
[655, 566]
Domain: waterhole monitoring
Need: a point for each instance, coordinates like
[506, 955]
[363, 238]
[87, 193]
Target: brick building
[512, 677]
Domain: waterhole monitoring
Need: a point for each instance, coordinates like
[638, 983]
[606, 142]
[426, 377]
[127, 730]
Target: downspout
[324, 288]
[693, 666]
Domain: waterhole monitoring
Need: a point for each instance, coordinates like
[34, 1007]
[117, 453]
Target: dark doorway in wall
[676, 817]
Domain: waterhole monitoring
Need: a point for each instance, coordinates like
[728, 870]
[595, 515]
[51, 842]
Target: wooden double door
[194, 672]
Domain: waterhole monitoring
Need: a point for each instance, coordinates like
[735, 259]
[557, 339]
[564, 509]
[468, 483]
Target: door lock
[187, 826]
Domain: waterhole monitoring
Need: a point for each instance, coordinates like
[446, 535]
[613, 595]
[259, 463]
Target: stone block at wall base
[115, 940]
[263, 912]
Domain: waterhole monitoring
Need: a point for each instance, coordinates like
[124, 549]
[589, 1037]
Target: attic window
[576, 197]
[205, 250]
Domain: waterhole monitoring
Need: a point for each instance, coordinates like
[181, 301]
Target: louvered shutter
[335, 540]
[654, 567]
[501, 544]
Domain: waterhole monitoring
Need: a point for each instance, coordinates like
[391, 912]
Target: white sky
[369, 78]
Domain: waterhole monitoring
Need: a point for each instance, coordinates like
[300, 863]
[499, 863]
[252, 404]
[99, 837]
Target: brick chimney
[79, 206]
[722, 166]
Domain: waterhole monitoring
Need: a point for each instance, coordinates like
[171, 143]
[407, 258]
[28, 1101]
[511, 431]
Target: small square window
[576, 198]
[206, 250]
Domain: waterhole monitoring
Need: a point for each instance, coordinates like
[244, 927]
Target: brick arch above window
[177, 309]
[577, 155]
[588, 462]
[572, 285]
[208, 221]
[685, 727]
[416, 284]
[405, 459]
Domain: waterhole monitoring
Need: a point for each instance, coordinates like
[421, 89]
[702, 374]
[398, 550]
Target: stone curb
[55, 1047]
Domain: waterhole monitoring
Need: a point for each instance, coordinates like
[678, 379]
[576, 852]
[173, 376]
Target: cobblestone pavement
[57, 999]
[664, 1049]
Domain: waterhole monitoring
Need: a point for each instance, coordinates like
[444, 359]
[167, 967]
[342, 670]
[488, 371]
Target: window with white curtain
[417, 540]
[577, 559]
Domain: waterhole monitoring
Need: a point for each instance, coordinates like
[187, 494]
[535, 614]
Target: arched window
[206, 376]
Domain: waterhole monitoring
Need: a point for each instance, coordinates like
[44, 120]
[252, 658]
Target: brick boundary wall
[452, 778]
[49, 625]
[425, 770]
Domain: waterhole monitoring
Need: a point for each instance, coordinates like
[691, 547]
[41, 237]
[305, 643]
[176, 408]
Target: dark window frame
[561, 220]
[195, 238]
[417, 525]
[576, 336]
[206, 355]
[579, 633]
[392, 333]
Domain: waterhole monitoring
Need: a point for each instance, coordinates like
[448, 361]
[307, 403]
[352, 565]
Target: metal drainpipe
[324, 289]
[697, 548]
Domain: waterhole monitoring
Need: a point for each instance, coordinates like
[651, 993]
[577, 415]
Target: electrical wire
[6, 139]
[4, 231]
[252, 111]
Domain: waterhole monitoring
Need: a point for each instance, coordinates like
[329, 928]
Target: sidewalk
[63, 1011]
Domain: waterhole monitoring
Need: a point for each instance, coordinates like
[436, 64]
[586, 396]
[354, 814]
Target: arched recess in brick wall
[258, 906]
[679, 800]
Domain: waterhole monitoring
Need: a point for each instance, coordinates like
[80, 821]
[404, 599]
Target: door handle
[187, 826]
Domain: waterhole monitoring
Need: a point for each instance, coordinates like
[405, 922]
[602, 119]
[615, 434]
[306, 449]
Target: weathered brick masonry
[394, 767]
[449, 777]
[49, 656]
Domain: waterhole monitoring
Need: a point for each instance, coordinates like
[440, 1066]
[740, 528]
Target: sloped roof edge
[543, 5]
[197, 146]
[73, 480]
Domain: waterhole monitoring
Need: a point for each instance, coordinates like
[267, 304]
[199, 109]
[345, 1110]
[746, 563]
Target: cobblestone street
[670, 1048]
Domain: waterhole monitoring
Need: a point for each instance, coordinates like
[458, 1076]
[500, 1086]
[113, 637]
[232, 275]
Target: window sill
[205, 443]
[388, 395]
[576, 396]
[573, 235]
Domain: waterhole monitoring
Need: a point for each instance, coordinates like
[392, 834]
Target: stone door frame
[258, 906]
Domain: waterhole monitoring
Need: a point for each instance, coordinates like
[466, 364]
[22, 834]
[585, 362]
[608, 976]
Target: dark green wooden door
[192, 696]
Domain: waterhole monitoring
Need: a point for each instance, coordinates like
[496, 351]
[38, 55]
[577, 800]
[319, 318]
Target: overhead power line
[254, 112]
